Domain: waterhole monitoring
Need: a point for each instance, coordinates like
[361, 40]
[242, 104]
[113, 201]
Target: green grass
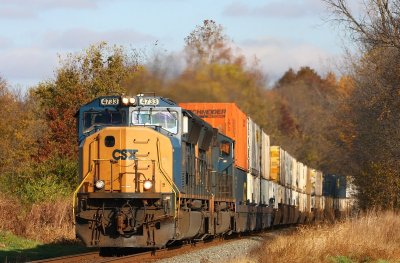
[17, 249]
[341, 259]
[344, 259]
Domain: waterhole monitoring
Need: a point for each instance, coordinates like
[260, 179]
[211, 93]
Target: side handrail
[175, 189]
[75, 195]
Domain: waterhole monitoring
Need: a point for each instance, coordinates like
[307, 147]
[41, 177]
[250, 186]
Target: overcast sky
[280, 33]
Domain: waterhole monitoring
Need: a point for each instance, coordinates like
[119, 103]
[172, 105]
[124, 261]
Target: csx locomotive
[153, 173]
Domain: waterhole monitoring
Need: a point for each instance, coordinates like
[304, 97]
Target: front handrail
[175, 189]
[75, 195]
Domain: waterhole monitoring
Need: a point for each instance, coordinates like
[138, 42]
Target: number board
[109, 101]
[149, 101]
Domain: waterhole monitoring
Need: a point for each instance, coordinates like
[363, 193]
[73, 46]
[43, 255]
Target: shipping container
[302, 177]
[288, 196]
[229, 120]
[281, 194]
[286, 177]
[265, 156]
[274, 191]
[310, 183]
[318, 183]
[302, 202]
[276, 157]
[250, 190]
[334, 186]
[254, 147]
[295, 179]
[295, 198]
[319, 202]
[341, 204]
[265, 195]
[308, 203]
[256, 189]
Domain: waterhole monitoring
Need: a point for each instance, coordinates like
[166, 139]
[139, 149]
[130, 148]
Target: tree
[18, 130]
[208, 44]
[373, 106]
[378, 26]
[100, 70]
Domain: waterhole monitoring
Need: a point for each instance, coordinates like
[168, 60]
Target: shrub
[40, 182]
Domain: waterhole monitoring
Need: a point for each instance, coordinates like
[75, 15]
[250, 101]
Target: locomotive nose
[130, 160]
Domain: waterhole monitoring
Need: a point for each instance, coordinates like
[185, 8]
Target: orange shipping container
[229, 120]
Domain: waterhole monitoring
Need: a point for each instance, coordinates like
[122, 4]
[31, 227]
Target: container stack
[269, 175]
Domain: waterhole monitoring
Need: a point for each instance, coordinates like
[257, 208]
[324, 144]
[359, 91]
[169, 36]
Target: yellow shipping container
[275, 163]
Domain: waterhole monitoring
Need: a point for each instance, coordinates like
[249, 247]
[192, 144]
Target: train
[153, 172]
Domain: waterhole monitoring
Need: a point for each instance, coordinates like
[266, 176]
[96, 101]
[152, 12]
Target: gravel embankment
[232, 250]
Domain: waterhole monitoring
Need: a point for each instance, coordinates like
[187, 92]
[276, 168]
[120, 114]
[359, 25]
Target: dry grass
[45, 222]
[369, 238]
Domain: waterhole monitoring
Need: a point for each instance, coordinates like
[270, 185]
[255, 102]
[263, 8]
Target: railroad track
[147, 256]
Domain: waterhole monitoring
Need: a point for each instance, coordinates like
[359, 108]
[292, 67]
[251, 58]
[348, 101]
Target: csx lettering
[124, 154]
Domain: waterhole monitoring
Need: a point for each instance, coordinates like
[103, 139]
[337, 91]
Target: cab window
[102, 118]
[168, 120]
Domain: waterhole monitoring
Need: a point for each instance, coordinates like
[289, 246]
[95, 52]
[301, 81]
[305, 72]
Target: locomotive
[153, 172]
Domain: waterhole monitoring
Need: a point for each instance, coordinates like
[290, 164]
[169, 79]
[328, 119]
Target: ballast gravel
[232, 250]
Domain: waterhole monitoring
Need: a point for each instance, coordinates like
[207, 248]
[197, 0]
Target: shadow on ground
[56, 249]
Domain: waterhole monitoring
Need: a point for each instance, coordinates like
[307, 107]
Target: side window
[225, 148]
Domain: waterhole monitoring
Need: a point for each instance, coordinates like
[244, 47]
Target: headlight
[132, 100]
[147, 185]
[125, 100]
[99, 184]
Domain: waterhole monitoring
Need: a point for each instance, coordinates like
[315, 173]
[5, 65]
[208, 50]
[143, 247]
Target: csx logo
[124, 154]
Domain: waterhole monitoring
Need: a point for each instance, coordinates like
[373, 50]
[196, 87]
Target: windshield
[102, 118]
[168, 120]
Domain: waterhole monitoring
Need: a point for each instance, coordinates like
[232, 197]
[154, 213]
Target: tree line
[346, 125]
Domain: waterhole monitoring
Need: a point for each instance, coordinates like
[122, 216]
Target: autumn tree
[18, 130]
[375, 100]
[216, 73]
[100, 70]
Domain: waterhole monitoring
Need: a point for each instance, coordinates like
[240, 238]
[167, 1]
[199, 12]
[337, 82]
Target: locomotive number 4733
[149, 101]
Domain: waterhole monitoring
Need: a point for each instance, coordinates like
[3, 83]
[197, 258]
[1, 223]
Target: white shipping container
[256, 189]
[288, 196]
[254, 147]
[299, 174]
[294, 181]
[312, 174]
[313, 203]
[265, 156]
[303, 178]
[265, 195]
[249, 184]
[288, 170]
[283, 172]
[274, 191]
[318, 183]
[341, 204]
[302, 202]
[281, 194]
[295, 198]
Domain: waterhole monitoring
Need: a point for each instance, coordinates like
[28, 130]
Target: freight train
[154, 172]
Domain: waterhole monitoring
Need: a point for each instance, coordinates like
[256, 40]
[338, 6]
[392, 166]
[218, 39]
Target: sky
[281, 34]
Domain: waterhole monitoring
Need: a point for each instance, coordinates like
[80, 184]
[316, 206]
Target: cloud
[287, 9]
[23, 65]
[81, 37]
[5, 43]
[276, 55]
[22, 9]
